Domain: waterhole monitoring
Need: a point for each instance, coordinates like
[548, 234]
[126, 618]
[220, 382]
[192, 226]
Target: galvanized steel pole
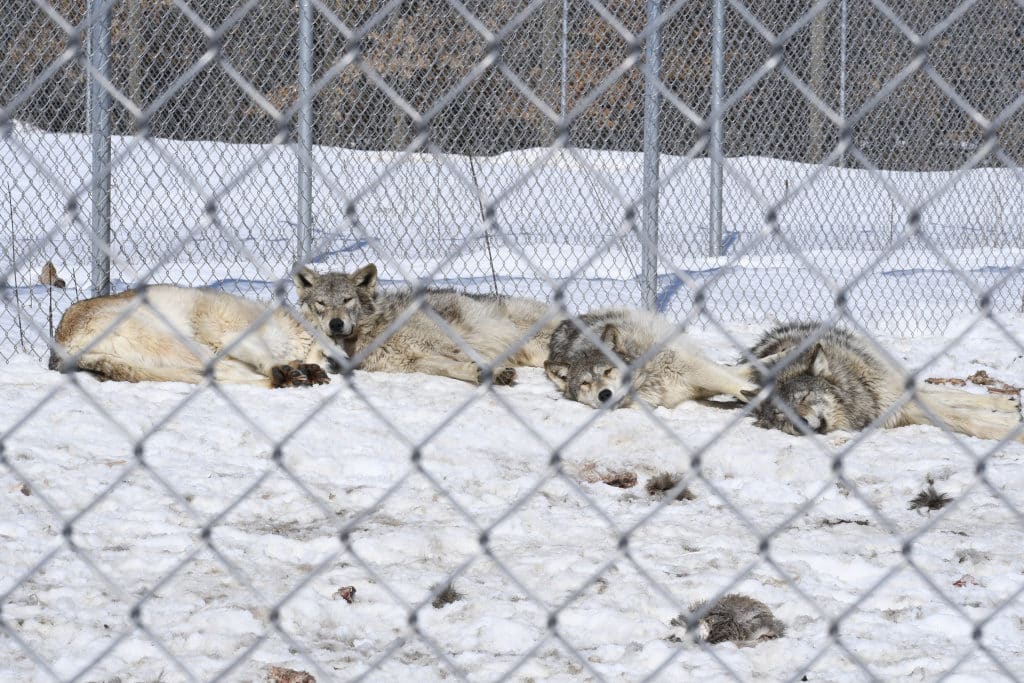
[98, 105]
[842, 70]
[565, 55]
[304, 133]
[652, 157]
[715, 151]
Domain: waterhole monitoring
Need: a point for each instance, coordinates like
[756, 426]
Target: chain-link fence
[219, 113]
[728, 163]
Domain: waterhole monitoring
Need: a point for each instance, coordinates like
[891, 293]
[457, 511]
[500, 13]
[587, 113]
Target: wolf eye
[321, 304]
[608, 372]
[347, 301]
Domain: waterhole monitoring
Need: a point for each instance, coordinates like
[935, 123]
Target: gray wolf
[677, 372]
[398, 331]
[736, 618]
[840, 383]
[173, 334]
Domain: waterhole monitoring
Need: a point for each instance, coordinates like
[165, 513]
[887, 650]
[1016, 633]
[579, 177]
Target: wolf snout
[817, 423]
[604, 396]
[338, 327]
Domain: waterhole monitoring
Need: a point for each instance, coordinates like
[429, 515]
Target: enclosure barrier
[726, 163]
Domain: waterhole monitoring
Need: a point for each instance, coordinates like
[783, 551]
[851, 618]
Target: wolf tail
[986, 416]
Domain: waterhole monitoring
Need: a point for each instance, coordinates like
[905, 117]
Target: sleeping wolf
[676, 373]
[839, 383]
[350, 310]
[175, 334]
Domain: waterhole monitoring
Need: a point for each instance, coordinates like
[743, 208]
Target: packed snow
[234, 518]
[280, 477]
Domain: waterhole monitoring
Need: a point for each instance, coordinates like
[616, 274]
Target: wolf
[173, 334]
[176, 335]
[840, 383]
[676, 373]
[497, 332]
[735, 618]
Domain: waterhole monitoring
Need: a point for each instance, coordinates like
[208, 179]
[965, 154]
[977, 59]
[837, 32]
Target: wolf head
[811, 395]
[589, 376]
[336, 302]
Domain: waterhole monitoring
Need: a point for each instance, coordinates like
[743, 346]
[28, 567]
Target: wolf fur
[350, 310]
[735, 618]
[840, 383]
[175, 333]
[676, 373]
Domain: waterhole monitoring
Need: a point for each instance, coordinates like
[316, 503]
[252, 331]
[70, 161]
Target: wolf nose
[337, 325]
[604, 395]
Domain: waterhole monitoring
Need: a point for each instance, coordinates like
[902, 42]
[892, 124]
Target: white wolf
[677, 372]
[172, 334]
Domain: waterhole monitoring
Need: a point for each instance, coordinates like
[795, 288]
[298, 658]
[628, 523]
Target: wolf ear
[365, 277]
[612, 337]
[819, 366]
[303, 278]
[557, 373]
[773, 358]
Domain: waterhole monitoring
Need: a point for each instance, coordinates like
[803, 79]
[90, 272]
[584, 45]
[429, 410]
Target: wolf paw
[314, 373]
[505, 377]
[287, 376]
[502, 377]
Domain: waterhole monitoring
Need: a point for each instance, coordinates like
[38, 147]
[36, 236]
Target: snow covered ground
[482, 454]
[278, 476]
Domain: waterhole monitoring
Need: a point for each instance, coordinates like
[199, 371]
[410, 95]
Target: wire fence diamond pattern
[726, 163]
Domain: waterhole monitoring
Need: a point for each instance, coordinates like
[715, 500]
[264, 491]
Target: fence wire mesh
[729, 163]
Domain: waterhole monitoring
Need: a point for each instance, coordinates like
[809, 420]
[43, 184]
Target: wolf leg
[235, 372]
[267, 354]
[276, 352]
[447, 367]
[532, 354]
[223, 322]
[710, 379]
[109, 367]
[465, 371]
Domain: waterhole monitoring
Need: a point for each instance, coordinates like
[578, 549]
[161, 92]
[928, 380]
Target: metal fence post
[815, 117]
[652, 157]
[565, 56]
[304, 237]
[842, 70]
[715, 152]
[98, 105]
